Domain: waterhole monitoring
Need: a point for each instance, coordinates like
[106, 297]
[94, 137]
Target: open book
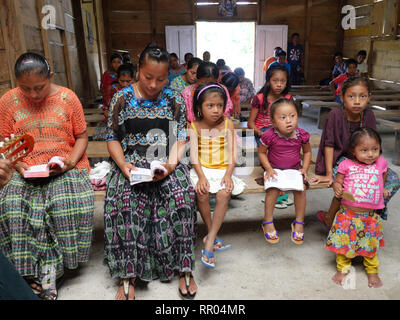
[286, 180]
[43, 170]
[146, 175]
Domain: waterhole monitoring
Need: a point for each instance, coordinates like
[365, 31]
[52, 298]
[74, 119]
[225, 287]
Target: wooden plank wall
[377, 32]
[21, 30]
[133, 24]
[317, 22]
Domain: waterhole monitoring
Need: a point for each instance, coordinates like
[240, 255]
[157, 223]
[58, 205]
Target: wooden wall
[317, 22]
[133, 24]
[377, 32]
[75, 63]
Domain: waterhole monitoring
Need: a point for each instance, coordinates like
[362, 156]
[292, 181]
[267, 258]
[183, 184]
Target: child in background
[213, 155]
[339, 125]
[276, 86]
[280, 149]
[336, 84]
[231, 81]
[272, 59]
[206, 72]
[247, 91]
[108, 78]
[340, 65]
[281, 61]
[175, 69]
[295, 52]
[190, 76]
[362, 67]
[357, 228]
[125, 77]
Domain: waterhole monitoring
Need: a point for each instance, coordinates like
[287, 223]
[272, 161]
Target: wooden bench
[325, 108]
[396, 127]
[248, 175]
[93, 119]
[97, 149]
[88, 111]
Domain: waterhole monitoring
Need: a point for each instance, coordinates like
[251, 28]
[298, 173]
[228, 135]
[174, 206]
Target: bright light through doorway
[231, 41]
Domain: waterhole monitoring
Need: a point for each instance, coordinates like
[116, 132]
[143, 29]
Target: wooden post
[396, 157]
[308, 6]
[81, 44]
[66, 60]
[45, 41]
[106, 19]
[97, 13]
[6, 26]
[153, 19]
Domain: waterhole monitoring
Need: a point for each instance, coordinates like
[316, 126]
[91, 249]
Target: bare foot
[374, 281]
[121, 294]
[216, 246]
[339, 277]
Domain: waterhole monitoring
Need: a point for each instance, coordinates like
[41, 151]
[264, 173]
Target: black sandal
[49, 294]
[188, 295]
[126, 284]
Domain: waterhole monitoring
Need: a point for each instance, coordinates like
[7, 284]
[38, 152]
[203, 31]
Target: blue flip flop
[209, 255]
[223, 245]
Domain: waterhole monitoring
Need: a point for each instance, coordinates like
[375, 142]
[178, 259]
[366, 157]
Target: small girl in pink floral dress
[357, 228]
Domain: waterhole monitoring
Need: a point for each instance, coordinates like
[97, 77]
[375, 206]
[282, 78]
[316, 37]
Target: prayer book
[146, 175]
[43, 170]
[285, 180]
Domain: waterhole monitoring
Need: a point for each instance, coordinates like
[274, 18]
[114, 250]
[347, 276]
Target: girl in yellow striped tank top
[213, 156]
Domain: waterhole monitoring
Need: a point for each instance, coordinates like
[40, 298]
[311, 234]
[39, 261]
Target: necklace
[348, 122]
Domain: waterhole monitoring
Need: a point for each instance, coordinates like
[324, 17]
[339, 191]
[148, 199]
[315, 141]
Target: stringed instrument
[16, 148]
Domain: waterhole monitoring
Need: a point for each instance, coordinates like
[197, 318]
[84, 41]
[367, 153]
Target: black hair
[126, 69]
[338, 54]
[116, 56]
[31, 62]
[280, 102]
[187, 55]
[281, 53]
[295, 35]
[230, 80]
[155, 53]
[198, 100]
[351, 61]
[359, 134]
[239, 72]
[362, 53]
[220, 62]
[208, 70]
[354, 81]
[173, 54]
[194, 62]
[266, 88]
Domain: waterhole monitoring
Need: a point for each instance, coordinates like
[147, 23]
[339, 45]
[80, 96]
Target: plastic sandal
[188, 295]
[223, 245]
[209, 255]
[271, 237]
[280, 204]
[296, 235]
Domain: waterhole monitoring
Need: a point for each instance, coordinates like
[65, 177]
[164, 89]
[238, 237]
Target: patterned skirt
[46, 224]
[355, 234]
[392, 184]
[150, 228]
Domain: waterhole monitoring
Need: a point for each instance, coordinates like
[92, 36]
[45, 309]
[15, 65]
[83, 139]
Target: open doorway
[231, 41]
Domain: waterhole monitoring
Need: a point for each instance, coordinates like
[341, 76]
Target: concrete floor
[254, 269]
